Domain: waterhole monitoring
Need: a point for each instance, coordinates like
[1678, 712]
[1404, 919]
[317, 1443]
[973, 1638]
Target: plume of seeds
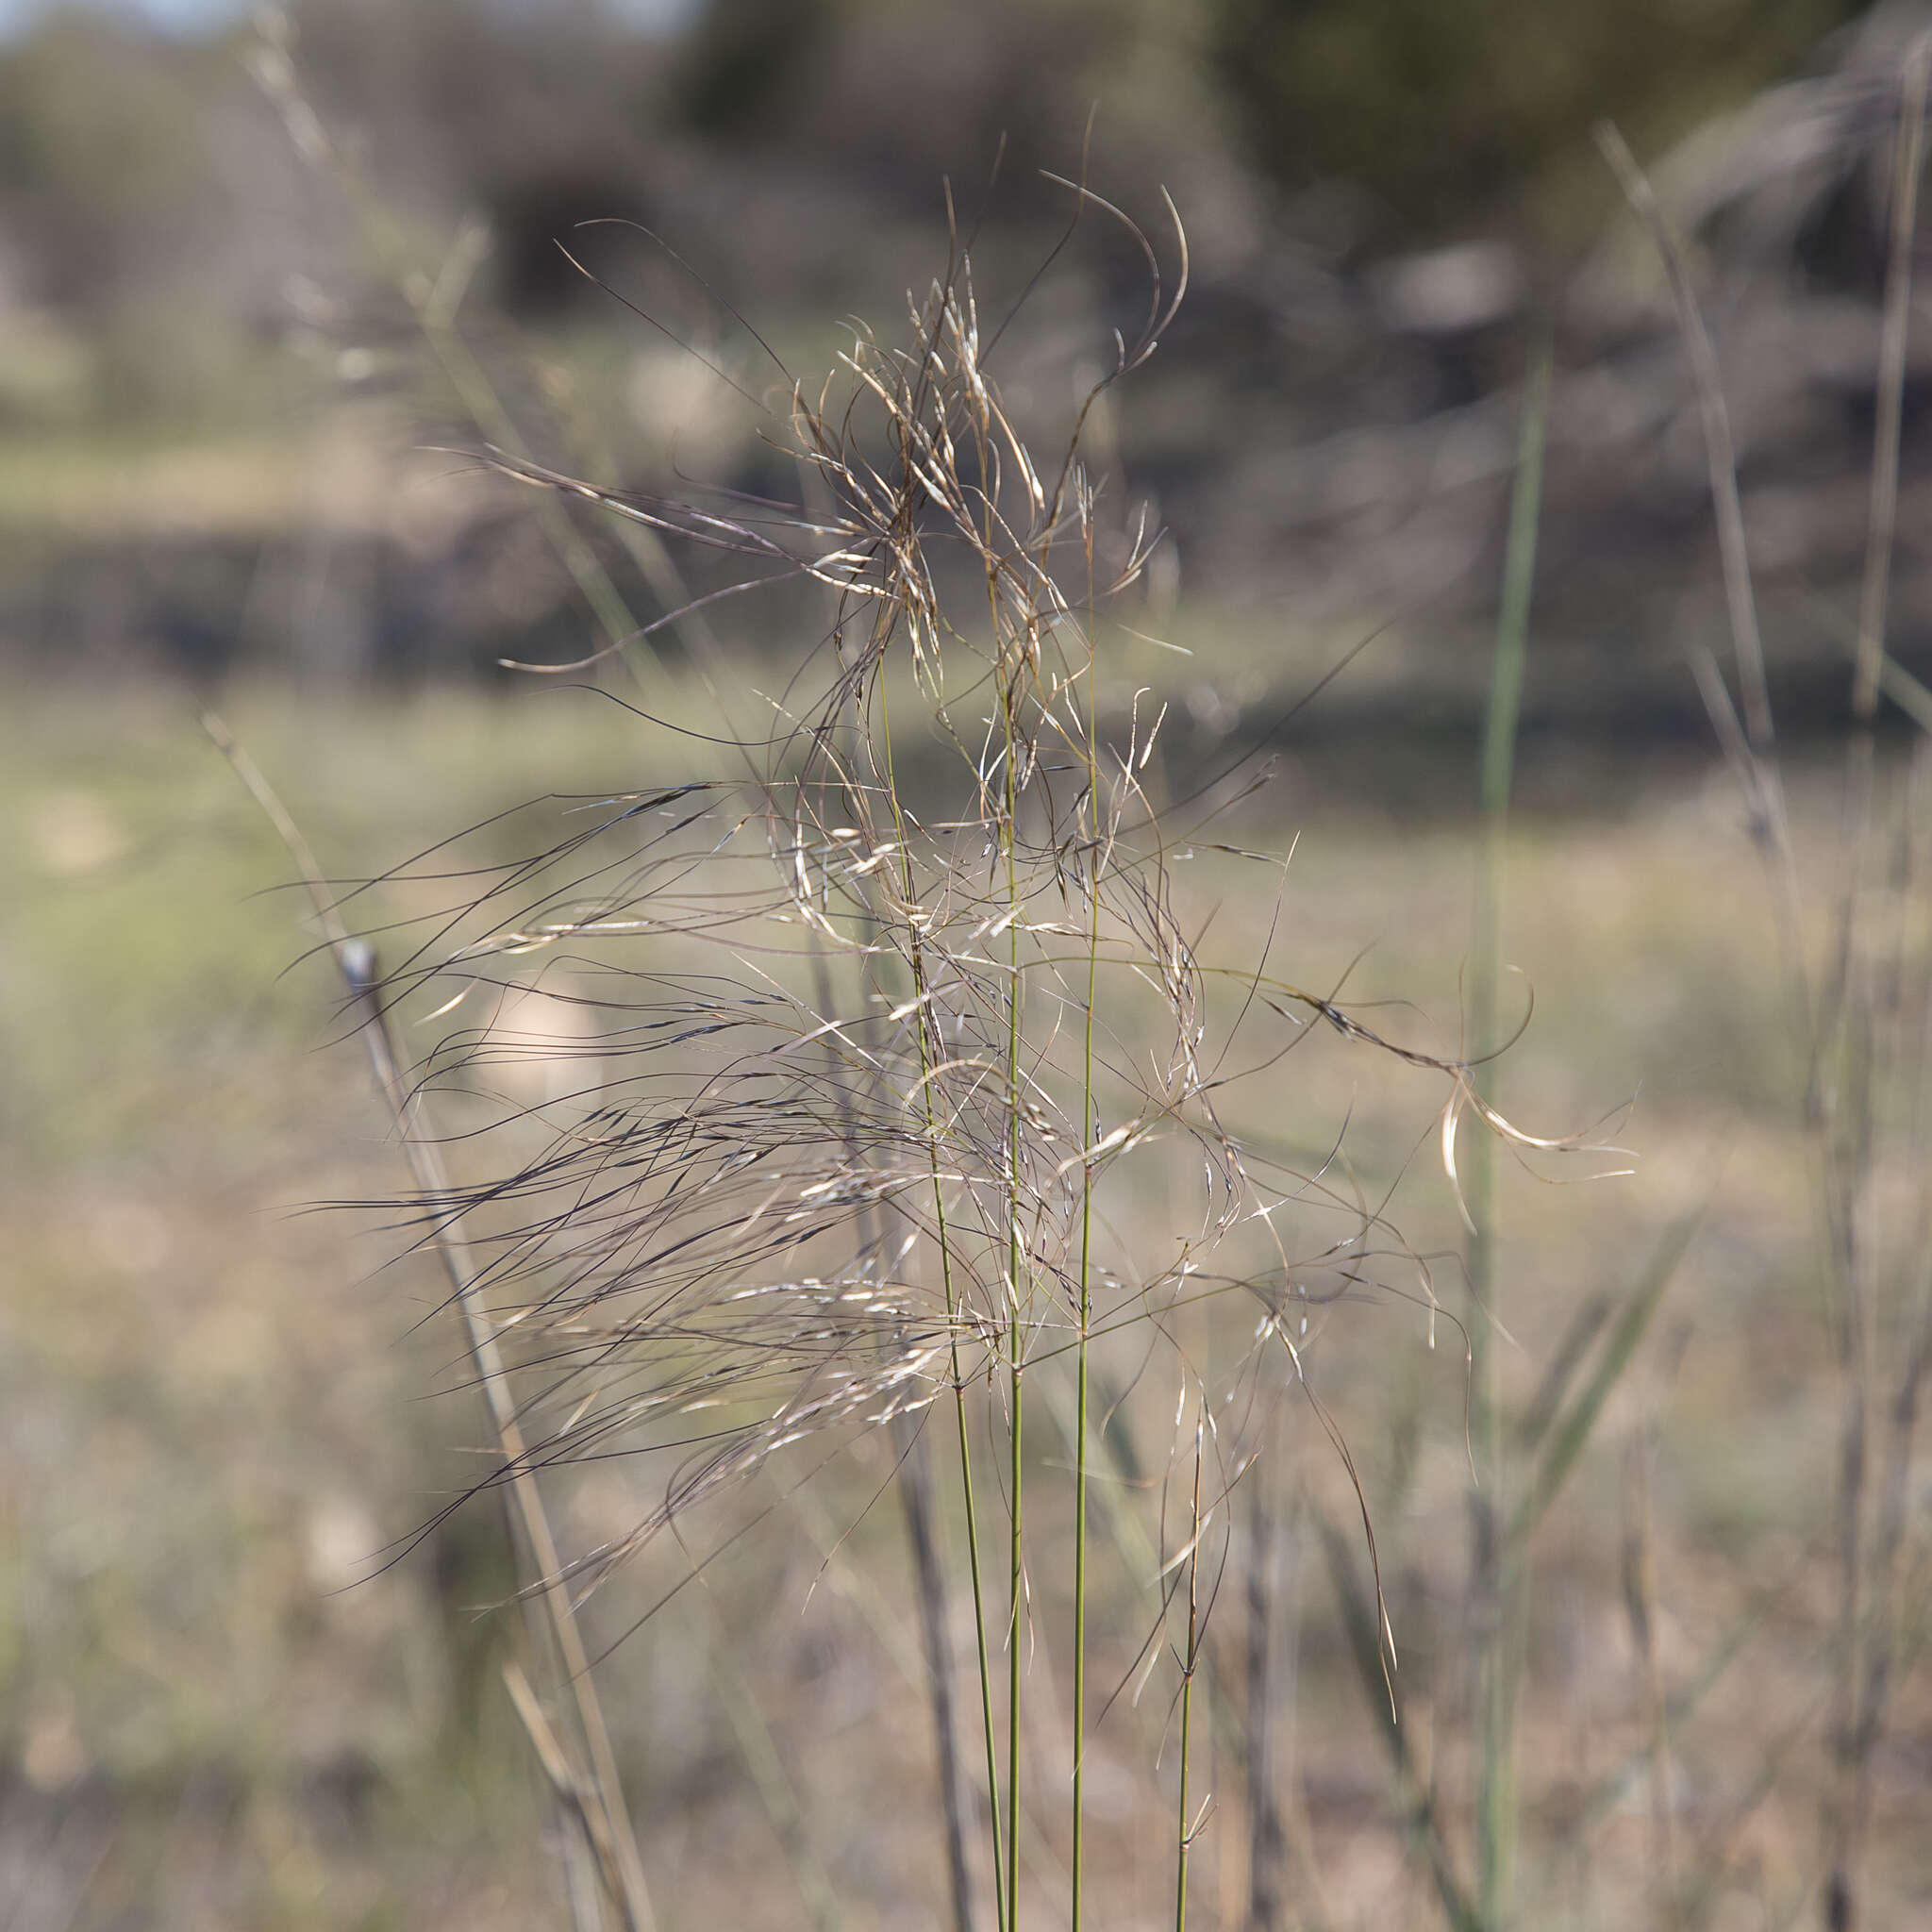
[845, 1056]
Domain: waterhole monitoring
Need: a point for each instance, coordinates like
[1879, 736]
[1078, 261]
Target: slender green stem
[1187, 1833]
[992, 1773]
[1087, 1130]
[1012, 647]
[1491, 1563]
[1519, 578]
[921, 987]
[1080, 1500]
[1016, 1336]
[1014, 1661]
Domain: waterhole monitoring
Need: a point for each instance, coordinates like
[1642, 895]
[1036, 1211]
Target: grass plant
[859, 1057]
[1495, 1586]
[891, 1069]
[591, 1797]
[1860, 1019]
[1858, 1024]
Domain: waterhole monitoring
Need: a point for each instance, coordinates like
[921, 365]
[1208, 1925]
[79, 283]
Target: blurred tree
[742, 60]
[538, 117]
[102, 165]
[907, 91]
[118, 214]
[1467, 113]
[780, 133]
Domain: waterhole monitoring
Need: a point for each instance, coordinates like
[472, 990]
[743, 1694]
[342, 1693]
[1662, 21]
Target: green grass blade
[1568, 1437]
[1519, 578]
[1492, 1659]
[1584, 1327]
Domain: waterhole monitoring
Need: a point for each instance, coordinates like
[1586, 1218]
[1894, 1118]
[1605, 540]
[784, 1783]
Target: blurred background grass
[218, 398]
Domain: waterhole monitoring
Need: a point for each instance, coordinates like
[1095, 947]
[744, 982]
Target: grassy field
[222, 1409]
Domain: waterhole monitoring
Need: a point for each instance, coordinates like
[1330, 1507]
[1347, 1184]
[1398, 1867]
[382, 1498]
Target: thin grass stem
[601, 1800]
[1088, 1133]
[434, 305]
[1865, 1554]
[1493, 1566]
[1186, 1834]
[943, 1238]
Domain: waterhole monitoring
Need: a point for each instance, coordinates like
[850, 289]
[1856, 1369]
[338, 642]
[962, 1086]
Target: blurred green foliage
[103, 165]
[1461, 112]
[128, 160]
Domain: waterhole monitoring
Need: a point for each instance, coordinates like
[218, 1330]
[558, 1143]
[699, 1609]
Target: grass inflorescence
[887, 1077]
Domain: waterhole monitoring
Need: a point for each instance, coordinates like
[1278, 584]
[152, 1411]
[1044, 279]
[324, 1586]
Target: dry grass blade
[1855, 1013]
[600, 1804]
[1423, 1821]
[1882, 519]
[1863, 1106]
[1758, 764]
[1266, 1835]
[433, 303]
[1717, 438]
[1641, 1605]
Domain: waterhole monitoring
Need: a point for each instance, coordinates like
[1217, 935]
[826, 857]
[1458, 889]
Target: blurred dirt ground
[219, 1411]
